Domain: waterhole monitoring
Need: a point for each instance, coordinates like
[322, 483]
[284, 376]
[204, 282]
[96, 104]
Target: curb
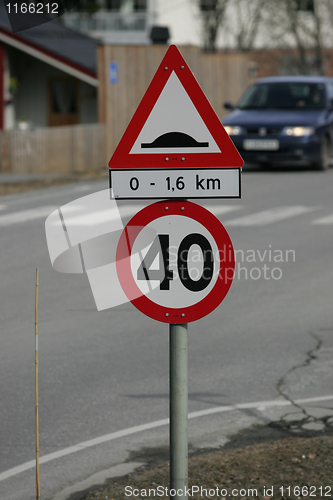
[97, 479]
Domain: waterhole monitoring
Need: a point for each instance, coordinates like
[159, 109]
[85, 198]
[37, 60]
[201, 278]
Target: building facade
[48, 76]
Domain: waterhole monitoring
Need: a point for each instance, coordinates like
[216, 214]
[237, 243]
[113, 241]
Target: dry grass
[295, 462]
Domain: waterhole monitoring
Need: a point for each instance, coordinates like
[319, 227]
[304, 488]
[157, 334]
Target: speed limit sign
[183, 272]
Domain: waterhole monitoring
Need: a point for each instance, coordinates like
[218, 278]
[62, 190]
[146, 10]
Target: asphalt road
[268, 344]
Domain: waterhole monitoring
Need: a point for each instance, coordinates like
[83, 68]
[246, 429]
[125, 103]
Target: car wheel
[323, 162]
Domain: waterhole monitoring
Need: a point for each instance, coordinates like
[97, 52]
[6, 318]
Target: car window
[284, 95]
[330, 91]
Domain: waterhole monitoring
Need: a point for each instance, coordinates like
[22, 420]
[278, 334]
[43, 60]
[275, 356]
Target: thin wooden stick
[36, 391]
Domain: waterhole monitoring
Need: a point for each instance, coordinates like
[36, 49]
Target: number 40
[161, 245]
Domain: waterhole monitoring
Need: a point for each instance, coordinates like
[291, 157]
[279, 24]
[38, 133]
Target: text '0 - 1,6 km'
[176, 183]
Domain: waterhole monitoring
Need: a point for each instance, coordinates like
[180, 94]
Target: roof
[55, 44]
[293, 78]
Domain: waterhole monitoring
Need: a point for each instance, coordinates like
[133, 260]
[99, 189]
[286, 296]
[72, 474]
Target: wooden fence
[66, 149]
[223, 77]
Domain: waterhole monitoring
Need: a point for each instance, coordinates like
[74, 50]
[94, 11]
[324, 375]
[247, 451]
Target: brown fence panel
[5, 153]
[69, 149]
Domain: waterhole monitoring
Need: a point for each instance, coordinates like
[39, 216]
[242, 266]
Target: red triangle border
[229, 156]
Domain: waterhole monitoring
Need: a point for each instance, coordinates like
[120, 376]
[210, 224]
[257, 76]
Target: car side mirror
[228, 105]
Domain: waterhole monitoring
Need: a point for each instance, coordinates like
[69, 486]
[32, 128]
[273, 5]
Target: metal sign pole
[178, 411]
[36, 390]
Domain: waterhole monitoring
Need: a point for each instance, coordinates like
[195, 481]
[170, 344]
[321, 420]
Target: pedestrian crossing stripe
[261, 218]
[269, 216]
[324, 220]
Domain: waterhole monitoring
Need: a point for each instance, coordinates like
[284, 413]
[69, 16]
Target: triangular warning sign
[175, 125]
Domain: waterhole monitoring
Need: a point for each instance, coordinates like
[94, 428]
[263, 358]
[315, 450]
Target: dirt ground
[289, 468]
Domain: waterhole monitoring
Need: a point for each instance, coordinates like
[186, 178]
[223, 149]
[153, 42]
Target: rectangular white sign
[176, 183]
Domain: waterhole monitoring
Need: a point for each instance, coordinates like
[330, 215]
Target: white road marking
[26, 215]
[85, 187]
[257, 219]
[221, 209]
[96, 217]
[259, 405]
[126, 210]
[271, 215]
[324, 220]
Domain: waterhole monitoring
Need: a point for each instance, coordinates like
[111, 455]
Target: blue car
[284, 120]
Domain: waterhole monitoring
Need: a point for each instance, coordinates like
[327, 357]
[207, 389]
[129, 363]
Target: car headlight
[298, 131]
[233, 129]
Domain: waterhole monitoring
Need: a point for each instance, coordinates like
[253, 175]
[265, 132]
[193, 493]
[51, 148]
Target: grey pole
[178, 411]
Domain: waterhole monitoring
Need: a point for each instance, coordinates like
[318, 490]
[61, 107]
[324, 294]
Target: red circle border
[218, 232]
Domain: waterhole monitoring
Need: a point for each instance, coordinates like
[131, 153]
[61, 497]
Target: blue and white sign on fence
[113, 72]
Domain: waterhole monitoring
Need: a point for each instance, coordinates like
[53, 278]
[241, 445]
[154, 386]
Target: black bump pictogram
[175, 140]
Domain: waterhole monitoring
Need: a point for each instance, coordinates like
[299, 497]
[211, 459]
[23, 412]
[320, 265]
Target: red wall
[2, 90]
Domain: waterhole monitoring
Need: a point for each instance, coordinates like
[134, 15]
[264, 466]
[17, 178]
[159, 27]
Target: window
[288, 95]
[208, 5]
[330, 91]
[63, 97]
[132, 5]
[304, 5]
[63, 101]
[113, 4]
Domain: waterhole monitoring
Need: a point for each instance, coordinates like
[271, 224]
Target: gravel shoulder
[290, 468]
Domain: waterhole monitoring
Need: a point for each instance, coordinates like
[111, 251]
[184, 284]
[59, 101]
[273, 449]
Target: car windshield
[284, 95]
